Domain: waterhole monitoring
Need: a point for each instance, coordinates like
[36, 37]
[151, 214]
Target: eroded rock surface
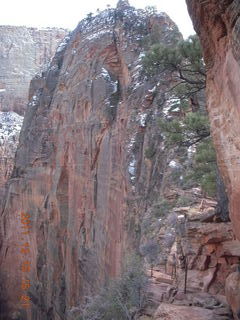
[23, 52]
[172, 312]
[81, 171]
[218, 25]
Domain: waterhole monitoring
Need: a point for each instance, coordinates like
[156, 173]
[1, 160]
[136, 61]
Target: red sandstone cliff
[80, 170]
[82, 174]
[217, 22]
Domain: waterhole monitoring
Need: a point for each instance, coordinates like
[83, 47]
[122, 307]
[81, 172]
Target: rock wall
[211, 252]
[81, 171]
[23, 52]
[217, 23]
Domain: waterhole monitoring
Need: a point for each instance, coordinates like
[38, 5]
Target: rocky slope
[24, 51]
[201, 254]
[217, 23]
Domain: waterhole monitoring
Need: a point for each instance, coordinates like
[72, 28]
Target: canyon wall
[81, 172]
[92, 169]
[24, 51]
[217, 24]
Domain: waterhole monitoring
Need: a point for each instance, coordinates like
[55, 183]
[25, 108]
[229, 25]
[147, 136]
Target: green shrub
[150, 152]
[204, 169]
[185, 201]
[162, 208]
[122, 299]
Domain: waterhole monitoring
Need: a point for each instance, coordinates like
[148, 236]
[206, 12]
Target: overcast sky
[67, 14]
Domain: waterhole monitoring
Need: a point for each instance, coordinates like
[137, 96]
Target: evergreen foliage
[183, 62]
[188, 130]
[205, 167]
[189, 126]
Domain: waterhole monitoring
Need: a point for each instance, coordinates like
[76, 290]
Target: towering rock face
[218, 25]
[23, 52]
[81, 171]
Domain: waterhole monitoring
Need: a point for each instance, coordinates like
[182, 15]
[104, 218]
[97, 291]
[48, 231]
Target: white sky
[67, 14]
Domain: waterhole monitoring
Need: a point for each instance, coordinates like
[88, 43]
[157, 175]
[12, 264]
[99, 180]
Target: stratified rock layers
[23, 52]
[218, 24]
[76, 172]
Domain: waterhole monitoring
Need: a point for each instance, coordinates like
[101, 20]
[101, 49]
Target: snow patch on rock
[10, 127]
[63, 44]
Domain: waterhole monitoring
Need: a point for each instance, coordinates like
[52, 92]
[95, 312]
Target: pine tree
[183, 62]
[184, 65]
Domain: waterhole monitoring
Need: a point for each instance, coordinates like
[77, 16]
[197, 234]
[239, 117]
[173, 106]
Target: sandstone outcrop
[202, 257]
[23, 52]
[177, 312]
[209, 251]
[232, 292]
[81, 171]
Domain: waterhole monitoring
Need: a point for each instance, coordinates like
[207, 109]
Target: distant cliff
[23, 52]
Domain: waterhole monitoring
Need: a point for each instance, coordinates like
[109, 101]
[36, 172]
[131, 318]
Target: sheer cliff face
[80, 170]
[218, 24]
[23, 52]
